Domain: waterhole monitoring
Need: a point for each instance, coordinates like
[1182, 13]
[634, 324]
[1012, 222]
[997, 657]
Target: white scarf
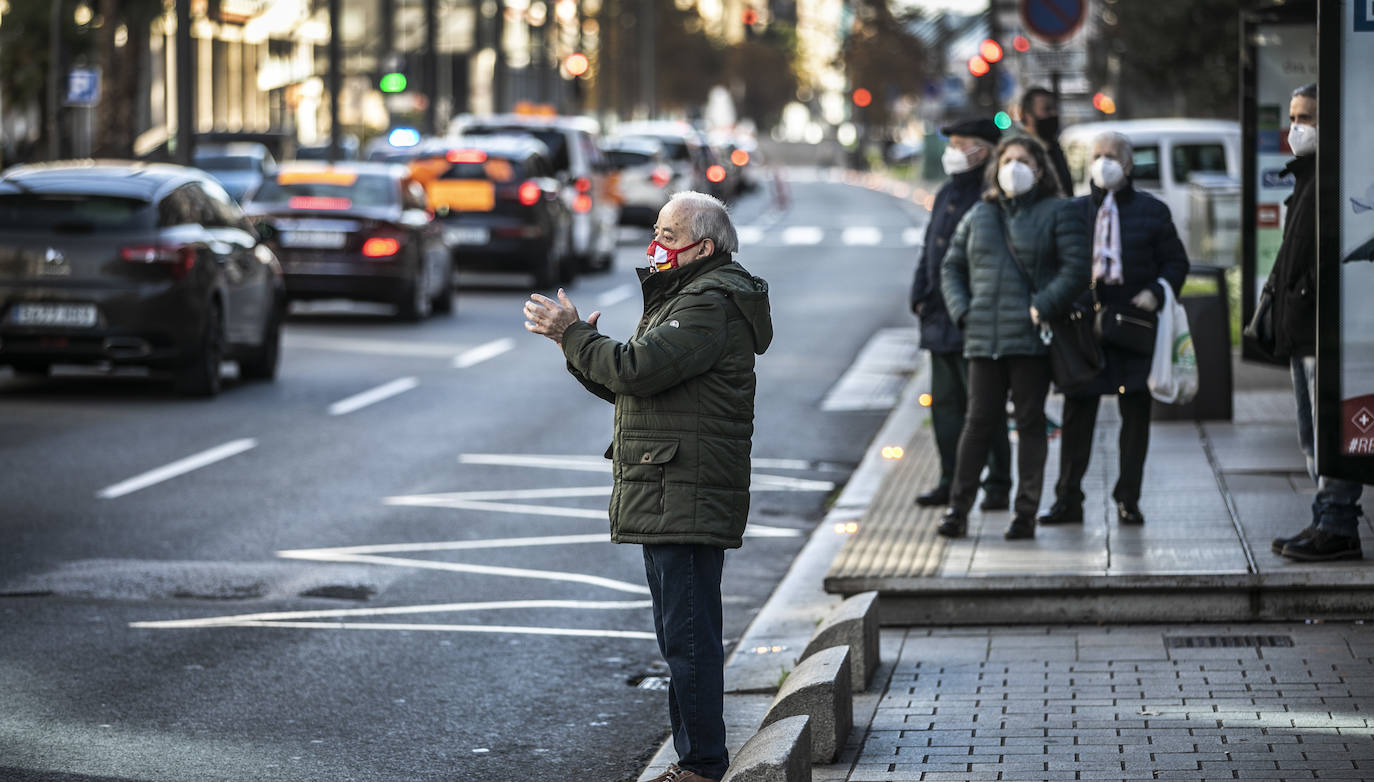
[1107, 243]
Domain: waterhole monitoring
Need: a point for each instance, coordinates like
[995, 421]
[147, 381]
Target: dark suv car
[500, 205]
[133, 263]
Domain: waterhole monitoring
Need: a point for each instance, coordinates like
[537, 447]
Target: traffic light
[1002, 120]
[990, 50]
[862, 97]
[392, 82]
[392, 78]
[1020, 43]
[1104, 103]
[978, 66]
[576, 64]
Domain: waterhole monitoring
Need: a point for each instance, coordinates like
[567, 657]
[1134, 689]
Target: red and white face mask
[665, 258]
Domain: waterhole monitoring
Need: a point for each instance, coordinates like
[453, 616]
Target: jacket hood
[717, 272]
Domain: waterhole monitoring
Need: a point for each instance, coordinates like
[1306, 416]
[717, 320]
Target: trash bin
[1204, 299]
[1213, 219]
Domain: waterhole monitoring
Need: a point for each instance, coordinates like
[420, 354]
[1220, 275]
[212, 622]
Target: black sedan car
[500, 206]
[132, 263]
[359, 231]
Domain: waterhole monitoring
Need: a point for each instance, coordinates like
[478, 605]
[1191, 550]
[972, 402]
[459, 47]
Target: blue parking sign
[83, 87]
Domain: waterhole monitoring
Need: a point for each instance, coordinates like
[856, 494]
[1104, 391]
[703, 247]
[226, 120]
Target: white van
[1167, 152]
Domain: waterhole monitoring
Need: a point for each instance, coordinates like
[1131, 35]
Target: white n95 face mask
[1015, 178]
[1107, 174]
[1302, 139]
[955, 161]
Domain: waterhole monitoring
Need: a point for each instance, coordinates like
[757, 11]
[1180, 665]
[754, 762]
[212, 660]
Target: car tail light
[529, 193]
[662, 176]
[740, 158]
[319, 203]
[466, 156]
[582, 204]
[582, 184]
[716, 173]
[180, 257]
[381, 247]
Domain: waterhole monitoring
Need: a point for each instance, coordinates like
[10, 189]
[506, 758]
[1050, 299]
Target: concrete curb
[819, 688]
[780, 752]
[854, 623]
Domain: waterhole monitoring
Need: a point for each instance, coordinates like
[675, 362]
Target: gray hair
[1124, 149]
[1306, 91]
[708, 218]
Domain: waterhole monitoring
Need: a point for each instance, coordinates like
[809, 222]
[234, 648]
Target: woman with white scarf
[1135, 245]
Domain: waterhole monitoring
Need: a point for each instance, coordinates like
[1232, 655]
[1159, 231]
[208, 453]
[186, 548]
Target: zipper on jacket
[662, 487]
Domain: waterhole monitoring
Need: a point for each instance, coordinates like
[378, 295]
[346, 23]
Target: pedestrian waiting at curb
[1334, 532]
[1135, 246]
[965, 160]
[1019, 224]
[683, 390]
[1040, 118]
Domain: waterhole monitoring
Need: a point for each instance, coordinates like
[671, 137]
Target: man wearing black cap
[965, 160]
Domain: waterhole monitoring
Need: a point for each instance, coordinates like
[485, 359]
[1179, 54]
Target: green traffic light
[393, 82]
[1002, 120]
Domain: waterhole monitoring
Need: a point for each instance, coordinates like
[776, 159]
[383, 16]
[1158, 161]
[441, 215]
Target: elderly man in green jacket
[683, 390]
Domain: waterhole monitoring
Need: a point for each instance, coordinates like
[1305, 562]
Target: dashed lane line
[802, 235]
[373, 396]
[461, 567]
[486, 352]
[616, 295]
[379, 347]
[861, 236]
[179, 467]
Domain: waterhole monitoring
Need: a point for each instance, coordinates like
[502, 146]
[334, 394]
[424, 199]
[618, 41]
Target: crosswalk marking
[850, 236]
[862, 236]
[802, 235]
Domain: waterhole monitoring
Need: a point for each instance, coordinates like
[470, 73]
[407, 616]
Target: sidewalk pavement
[1182, 649]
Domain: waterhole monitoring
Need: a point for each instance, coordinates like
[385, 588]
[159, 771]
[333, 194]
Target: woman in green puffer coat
[1001, 311]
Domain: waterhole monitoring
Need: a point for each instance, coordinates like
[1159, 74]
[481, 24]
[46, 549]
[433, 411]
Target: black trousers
[1027, 378]
[1076, 445]
[948, 406]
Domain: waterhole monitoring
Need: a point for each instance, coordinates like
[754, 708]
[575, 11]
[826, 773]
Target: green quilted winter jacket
[989, 297]
[683, 389]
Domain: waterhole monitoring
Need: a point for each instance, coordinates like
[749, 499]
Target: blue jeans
[684, 581]
[1336, 508]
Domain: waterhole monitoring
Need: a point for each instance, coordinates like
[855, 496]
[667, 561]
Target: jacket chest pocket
[644, 471]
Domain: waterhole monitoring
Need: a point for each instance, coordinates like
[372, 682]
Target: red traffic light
[978, 66]
[750, 17]
[990, 50]
[1021, 44]
[576, 64]
[862, 97]
[1104, 103]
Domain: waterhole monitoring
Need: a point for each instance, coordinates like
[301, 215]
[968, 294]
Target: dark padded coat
[1294, 276]
[683, 389]
[1150, 249]
[990, 297]
[952, 202]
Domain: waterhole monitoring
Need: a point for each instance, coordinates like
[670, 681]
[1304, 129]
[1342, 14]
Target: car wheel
[443, 303]
[262, 363]
[200, 377]
[414, 305]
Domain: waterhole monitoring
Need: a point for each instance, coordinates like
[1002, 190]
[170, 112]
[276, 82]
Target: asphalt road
[392, 563]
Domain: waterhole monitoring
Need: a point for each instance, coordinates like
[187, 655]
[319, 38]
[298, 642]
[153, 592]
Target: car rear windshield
[227, 163]
[367, 190]
[494, 169]
[551, 137]
[674, 148]
[621, 158]
[73, 213]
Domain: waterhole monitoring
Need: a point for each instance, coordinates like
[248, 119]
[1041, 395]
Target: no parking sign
[1053, 21]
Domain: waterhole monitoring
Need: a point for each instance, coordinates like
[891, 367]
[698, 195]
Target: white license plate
[331, 240]
[82, 315]
[468, 235]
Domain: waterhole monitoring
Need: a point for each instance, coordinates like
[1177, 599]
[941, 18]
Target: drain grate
[1226, 641]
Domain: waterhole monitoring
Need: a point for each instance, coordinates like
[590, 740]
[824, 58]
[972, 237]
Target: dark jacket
[987, 294]
[1061, 168]
[955, 198]
[1150, 249]
[1294, 277]
[683, 389]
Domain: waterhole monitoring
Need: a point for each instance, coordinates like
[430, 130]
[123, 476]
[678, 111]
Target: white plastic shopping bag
[1173, 371]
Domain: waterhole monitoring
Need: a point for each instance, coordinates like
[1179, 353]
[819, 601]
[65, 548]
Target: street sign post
[1053, 21]
[83, 87]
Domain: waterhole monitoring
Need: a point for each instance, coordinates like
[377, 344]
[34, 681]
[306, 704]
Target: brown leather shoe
[678, 774]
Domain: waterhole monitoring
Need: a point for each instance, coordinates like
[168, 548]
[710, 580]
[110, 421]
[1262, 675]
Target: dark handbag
[1260, 329]
[1126, 327]
[1075, 354]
